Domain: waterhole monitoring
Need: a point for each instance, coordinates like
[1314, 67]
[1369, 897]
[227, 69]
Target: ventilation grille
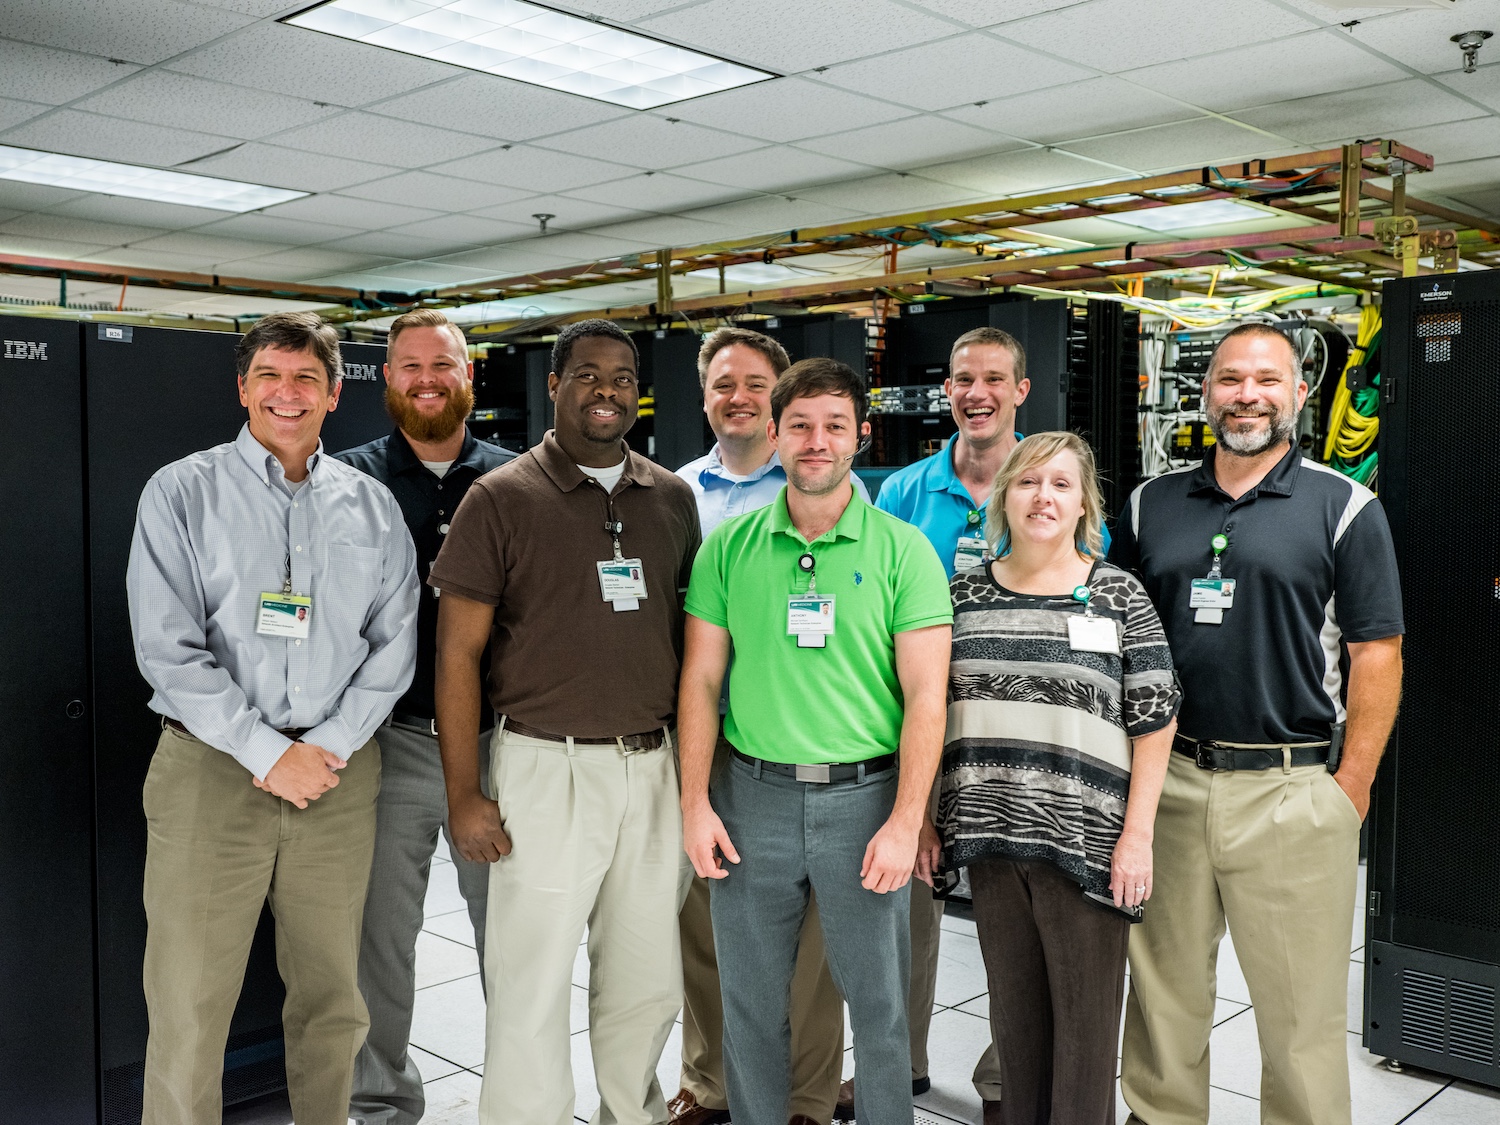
[1440, 324]
[1424, 1004]
[1448, 1017]
[1471, 1031]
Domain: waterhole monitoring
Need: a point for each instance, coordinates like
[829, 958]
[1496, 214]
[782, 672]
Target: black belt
[294, 733]
[1212, 755]
[647, 740]
[823, 774]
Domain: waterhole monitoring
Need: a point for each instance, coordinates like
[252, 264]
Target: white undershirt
[607, 478]
[438, 469]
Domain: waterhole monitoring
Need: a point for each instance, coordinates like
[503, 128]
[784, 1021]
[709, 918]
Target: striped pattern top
[1036, 760]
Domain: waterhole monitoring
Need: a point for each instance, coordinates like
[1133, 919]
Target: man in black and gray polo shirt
[428, 462]
[1276, 582]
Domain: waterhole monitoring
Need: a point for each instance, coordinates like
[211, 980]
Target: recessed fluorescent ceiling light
[109, 178]
[1182, 216]
[533, 44]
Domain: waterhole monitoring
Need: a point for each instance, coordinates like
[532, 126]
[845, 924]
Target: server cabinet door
[46, 828]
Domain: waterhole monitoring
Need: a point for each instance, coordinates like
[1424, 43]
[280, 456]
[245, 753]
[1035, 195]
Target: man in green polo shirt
[841, 624]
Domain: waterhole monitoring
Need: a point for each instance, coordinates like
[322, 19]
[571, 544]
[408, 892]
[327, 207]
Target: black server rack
[46, 771]
[837, 336]
[1103, 389]
[1432, 962]
[501, 399]
[674, 432]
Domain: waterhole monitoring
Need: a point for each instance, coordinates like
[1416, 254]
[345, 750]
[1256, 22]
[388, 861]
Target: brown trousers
[1056, 967]
[218, 849]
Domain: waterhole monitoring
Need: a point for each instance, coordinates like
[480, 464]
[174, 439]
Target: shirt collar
[261, 460]
[850, 526]
[402, 458]
[942, 473]
[567, 476]
[1278, 482]
[715, 467]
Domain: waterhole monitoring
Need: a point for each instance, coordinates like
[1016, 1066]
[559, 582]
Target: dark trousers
[1056, 967]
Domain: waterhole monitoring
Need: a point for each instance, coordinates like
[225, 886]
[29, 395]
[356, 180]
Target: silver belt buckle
[817, 775]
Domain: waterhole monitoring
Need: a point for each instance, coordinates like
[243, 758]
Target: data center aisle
[448, 1033]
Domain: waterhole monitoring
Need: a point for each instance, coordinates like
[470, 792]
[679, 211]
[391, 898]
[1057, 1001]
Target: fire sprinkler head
[1469, 43]
[544, 218]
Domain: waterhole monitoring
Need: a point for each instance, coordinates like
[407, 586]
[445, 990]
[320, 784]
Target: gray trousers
[794, 838]
[411, 812]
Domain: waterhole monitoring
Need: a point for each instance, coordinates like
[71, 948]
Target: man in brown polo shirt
[571, 562]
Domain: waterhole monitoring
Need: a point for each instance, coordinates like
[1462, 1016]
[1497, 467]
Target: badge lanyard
[284, 614]
[622, 581]
[1089, 632]
[1209, 597]
[809, 616]
[972, 547]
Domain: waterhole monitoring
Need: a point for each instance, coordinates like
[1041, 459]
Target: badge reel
[284, 614]
[1211, 596]
[971, 545]
[809, 616]
[622, 581]
[1089, 632]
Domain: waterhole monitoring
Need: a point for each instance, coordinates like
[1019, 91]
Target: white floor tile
[954, 1044]
[453, 1100]
[1232, 984]
[960, 975]
[442, 891]
[1383, 1098]
[455, 926]
[581, 967]
[586, 1093]
[448, 1020]
[578, 1009]
[440, 960]
[956, 925]
[1460, 1104]
[430, 1066]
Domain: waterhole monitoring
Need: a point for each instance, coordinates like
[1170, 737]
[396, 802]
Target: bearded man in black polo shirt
[1270, 572]
[428, 462]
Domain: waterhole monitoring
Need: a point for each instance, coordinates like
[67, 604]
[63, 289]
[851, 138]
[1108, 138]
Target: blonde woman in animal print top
[1062, 705]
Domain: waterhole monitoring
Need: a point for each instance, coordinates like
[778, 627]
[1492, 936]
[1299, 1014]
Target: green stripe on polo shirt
[840, 703]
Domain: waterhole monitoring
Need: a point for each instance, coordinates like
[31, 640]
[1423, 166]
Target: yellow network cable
[1351, 434]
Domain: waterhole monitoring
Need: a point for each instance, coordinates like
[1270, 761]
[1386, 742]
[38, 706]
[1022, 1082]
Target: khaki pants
[1275, 854]
[596, 837]
[217, 849]
[817, 1015]
[926, 930]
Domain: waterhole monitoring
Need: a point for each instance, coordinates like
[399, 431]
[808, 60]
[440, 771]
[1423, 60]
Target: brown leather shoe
[991, 1112]
[843, 1109]
[685, 1110]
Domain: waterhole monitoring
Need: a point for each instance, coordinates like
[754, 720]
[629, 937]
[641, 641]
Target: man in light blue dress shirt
[273, 601]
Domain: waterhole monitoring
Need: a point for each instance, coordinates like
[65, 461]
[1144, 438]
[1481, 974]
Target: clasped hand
[302, 774]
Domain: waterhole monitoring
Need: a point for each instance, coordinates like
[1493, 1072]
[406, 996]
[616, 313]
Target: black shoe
[920, 1086]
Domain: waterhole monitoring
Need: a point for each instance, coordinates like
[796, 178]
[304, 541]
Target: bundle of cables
[1354, 421]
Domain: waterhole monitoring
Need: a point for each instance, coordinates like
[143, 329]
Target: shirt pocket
[350, 586]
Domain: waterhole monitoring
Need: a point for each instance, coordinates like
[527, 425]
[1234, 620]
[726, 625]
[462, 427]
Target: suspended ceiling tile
[1115, 35]
[364, 136]
[770, 213]
[385, 243]
[134, 258]
[1458, 179]
[440, 193]
[66, 249]
[1420, 38]
[41, 225]
[987, 13]
[668, 230]
[953, 72]
[259, 227]
[643, 136]
[143, 31]
[567, 213]
[911, 142]
[1083, 109]
[40, 74]
[1209, 140]
[781, 168]
[316, 258]
[162, 97]
[430, 273]
[135, 212]
[790, 35]
[535, 169]
[889, 194]
[1375, 111]
[511, 259]
[1314, 63]
[619, 11]
[258, 163]
[498, 107]
[309, 64]
[109, 138]
[209, 247]
[257, 8]
[13, 112]
[453, 232]
[579, 246]
[263, 269]
[788, 109]
[348, 211]
[1456, 141]
[1014, 173]
[1330, 16]
[659, 192]
[35, 197]
[1483, 86]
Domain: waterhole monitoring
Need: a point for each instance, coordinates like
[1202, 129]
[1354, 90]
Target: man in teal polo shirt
[841, 625]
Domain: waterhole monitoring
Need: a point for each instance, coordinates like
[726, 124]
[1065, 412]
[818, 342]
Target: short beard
[801, 483]
[1282, 428]
[428, 428]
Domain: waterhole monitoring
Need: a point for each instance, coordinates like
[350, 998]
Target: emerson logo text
[25, 349]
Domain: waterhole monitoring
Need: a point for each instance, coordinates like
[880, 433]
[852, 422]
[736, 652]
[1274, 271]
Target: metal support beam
[1349, 184]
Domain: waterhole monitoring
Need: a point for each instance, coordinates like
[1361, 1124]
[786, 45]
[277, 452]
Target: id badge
[622, 582]
[1210, 597]
[970, 553]
[809, 618]
[284, 615]
[1093, 634]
